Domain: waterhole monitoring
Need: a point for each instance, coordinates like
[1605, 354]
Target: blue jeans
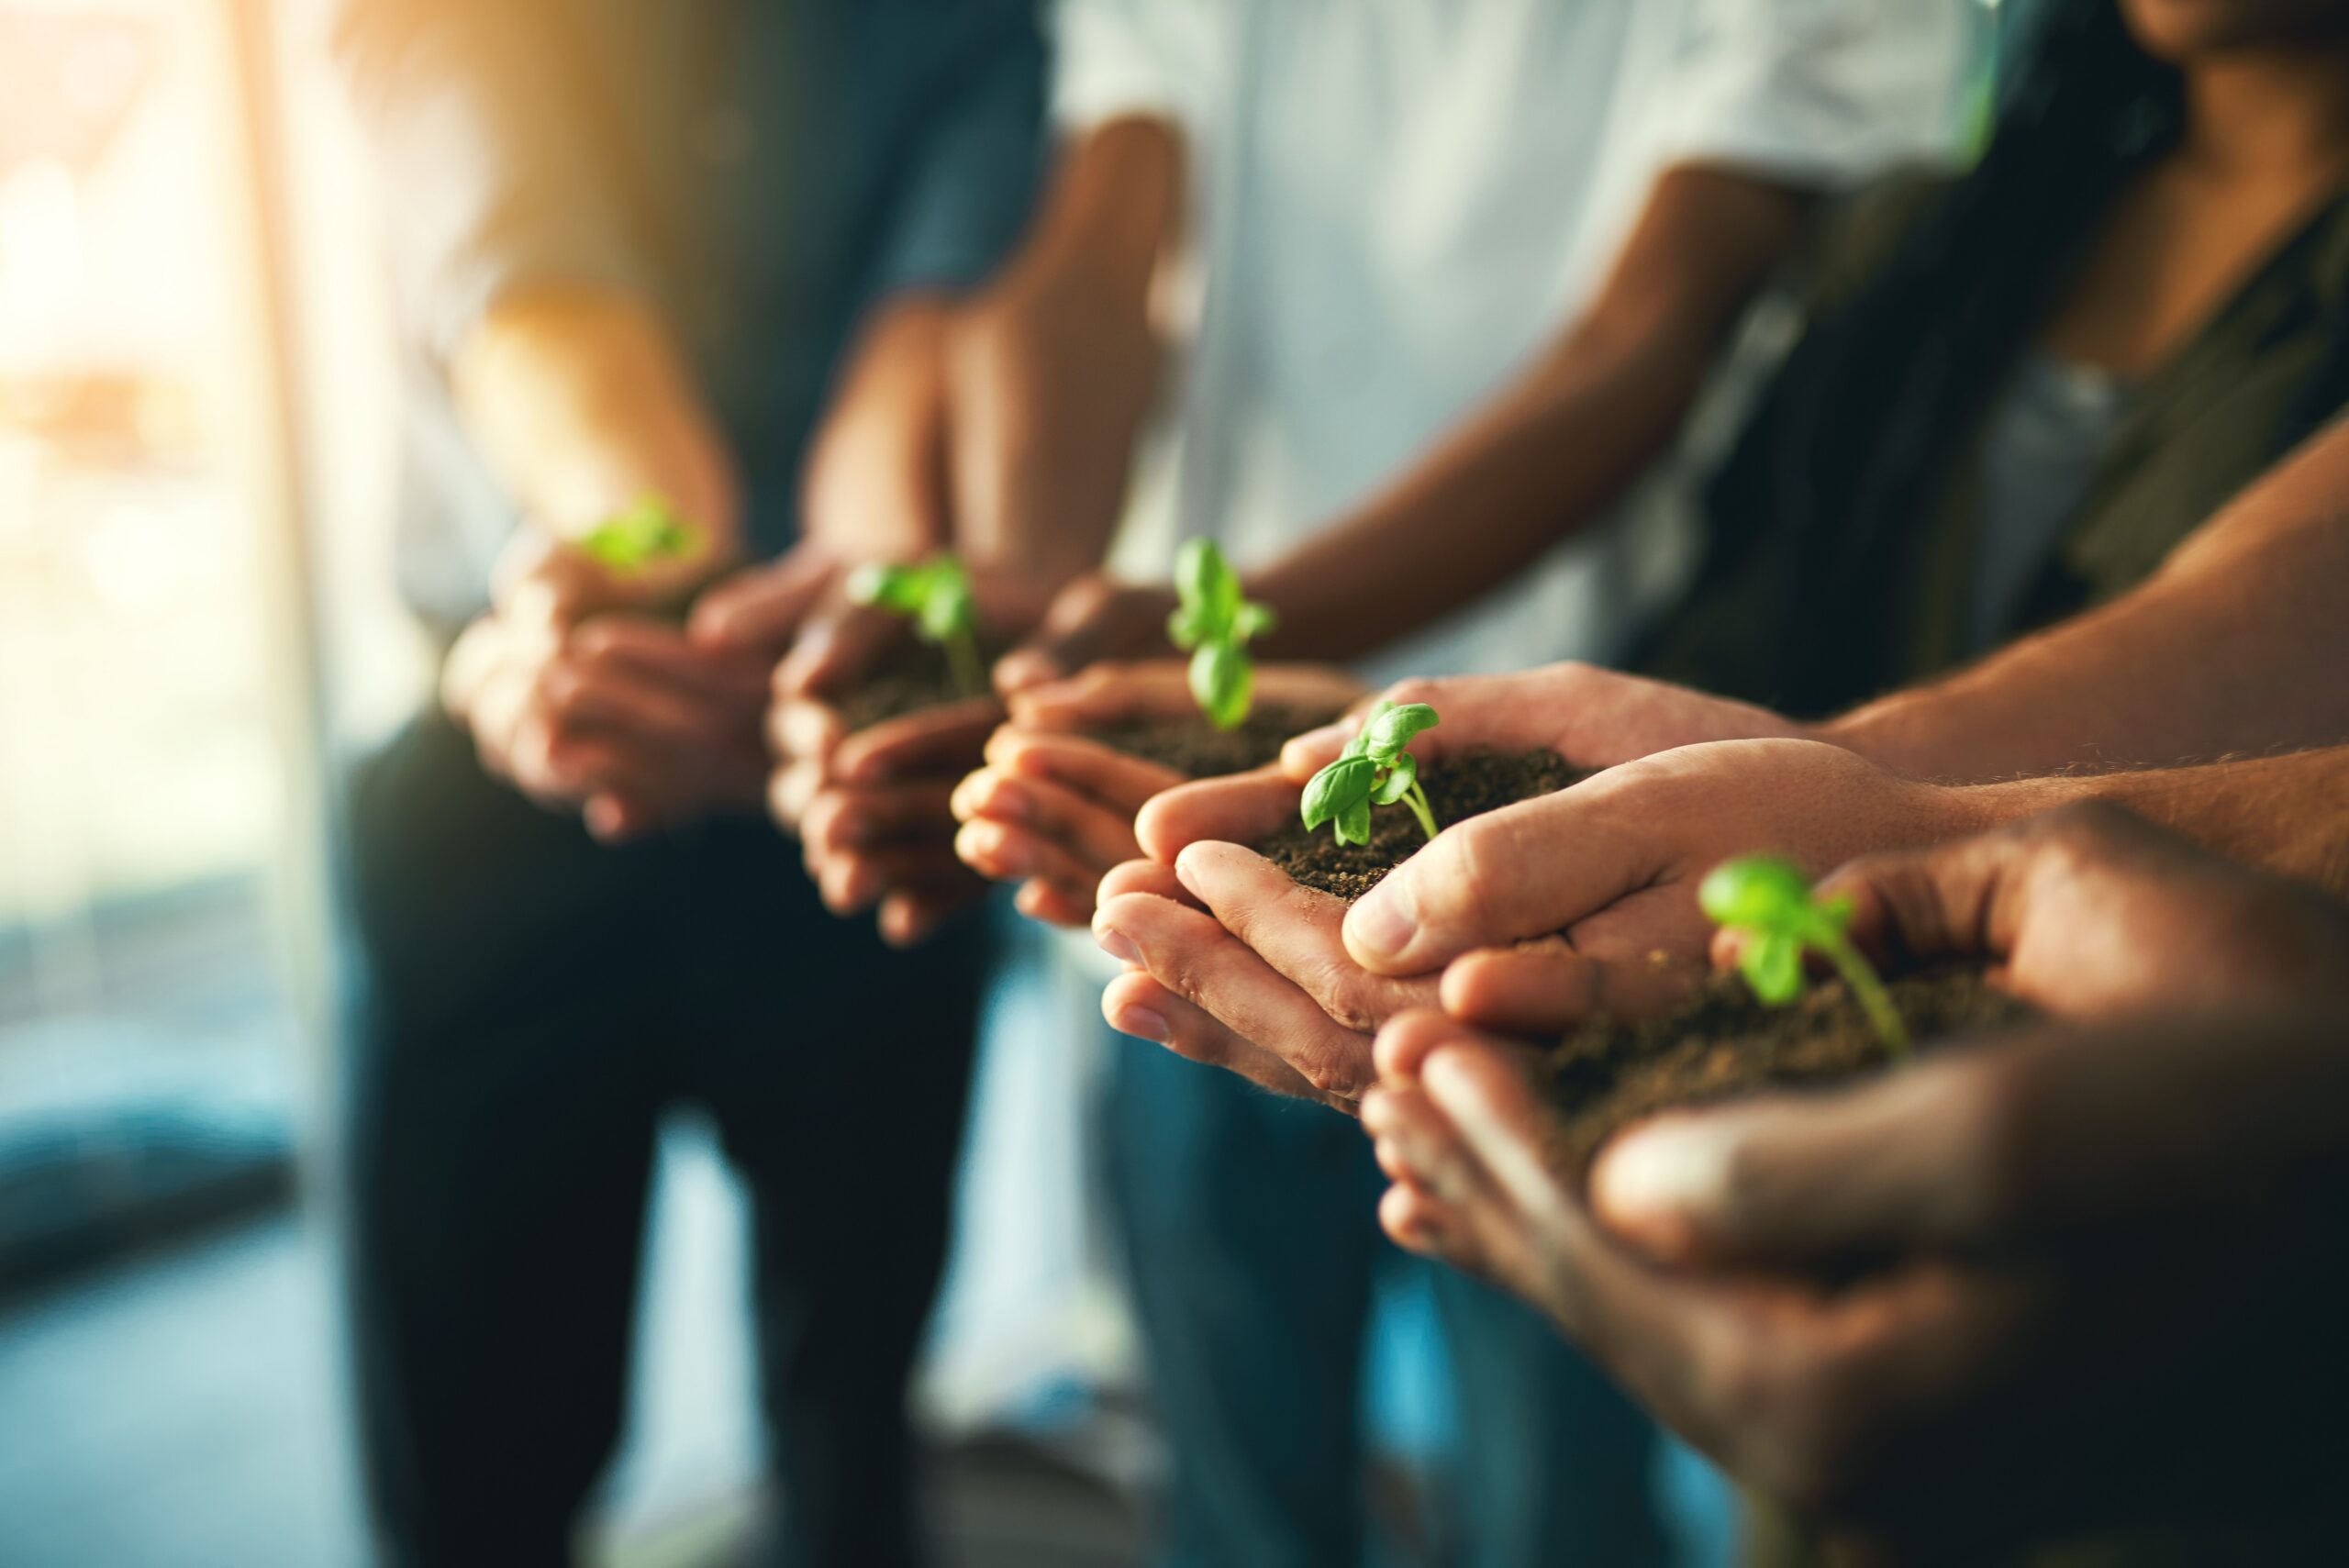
[1252, 1242]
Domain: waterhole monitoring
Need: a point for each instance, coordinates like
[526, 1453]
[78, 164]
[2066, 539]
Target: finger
[1296, 931]
[950, 739]
[1146, 877]
[608, 695]
[854, 881]
[1087, 767]
[791, 790]
[759, 612]
[1094, 618]
[659, 650]
[1054, 906]
[838, 821]
[836, 648]
[1414, 1141]
[1103, 834]
[1245, 809]
[1106, 692]
[910, 917]
[1903, 1160]
[1193, 956]
[1015, 854]
[799, 729]
[1139, 1006]
[1545, 986]
[1526, 870]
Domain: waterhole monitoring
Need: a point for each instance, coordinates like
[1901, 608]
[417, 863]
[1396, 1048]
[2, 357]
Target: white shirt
[1396, 203]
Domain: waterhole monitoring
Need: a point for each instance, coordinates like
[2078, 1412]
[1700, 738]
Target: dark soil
[913, 677]
[1723, 1045]
[1462, 788]
[1197, 749]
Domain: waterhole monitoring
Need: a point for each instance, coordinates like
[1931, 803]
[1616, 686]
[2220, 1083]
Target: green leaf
[898, 589]
[948, 610]
[1756, 893]
[1185, 629]
[1354, 824]
[1253, 620]
[1390, 728]
[1207, 586]
[1772, 964]
[1400, 777]
[1337, 788]
[646, 531]
[1222, 680]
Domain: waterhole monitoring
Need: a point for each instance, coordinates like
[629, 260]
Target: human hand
[617, 716]
[1609, 869]
[1054, 809]
[2047, 1218]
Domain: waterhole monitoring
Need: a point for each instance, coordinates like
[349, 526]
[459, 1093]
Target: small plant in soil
[1773, 905]
[646, 533]
[1214, 624]
[1374, 770]
[935, 595]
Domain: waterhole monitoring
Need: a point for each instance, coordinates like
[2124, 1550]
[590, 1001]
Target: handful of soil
[1197, 748]
[1460, 789]
[915, 676]
[1724, 1044]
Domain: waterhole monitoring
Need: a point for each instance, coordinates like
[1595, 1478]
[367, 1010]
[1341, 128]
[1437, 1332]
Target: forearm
[2233, 646]
[1550, 452]
[2288, 815]
[582, 402]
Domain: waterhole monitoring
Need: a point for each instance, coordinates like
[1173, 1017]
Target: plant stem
[963, 660]
[1875, 1000]
[1417, 799]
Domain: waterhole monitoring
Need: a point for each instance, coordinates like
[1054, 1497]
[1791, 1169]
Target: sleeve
[486, 159]
[968, 193]
[1823, 92]
[1120, 58]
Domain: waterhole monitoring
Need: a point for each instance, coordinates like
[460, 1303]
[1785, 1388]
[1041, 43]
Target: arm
[2232, 646]
[1549, 453]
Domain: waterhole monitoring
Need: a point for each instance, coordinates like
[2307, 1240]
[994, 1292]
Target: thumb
[1904, 1162]
[835, 649]
[1091, 619]
[759, 611]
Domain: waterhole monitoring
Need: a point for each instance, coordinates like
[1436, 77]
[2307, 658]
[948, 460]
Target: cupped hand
[2043, 1220]
[2088, 911]
[1611, 868]
[1258, 959]
[1054, 810]
[1593, 717]
[618, 717]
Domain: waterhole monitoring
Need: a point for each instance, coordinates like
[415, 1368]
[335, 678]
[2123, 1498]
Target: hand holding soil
[1054, 807]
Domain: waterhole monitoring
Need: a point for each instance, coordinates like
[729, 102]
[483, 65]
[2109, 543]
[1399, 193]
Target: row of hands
[1692, 1262]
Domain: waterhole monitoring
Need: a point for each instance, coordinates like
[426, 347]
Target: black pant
[528, 1003]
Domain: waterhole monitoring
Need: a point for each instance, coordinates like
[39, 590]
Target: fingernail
[1384, 923]
[1666, 1173]
[1184, 864]
[1117, 944]
[1143, 1024]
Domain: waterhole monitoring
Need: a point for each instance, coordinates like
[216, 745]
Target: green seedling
[1214, 625]
[646, 533]
[935, 595]
[1773, 905]
[1374, 770]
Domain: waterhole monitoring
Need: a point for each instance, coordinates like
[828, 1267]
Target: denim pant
[1252, 1240]
[527, 1004]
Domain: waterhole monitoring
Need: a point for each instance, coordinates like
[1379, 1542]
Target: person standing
[637, 248]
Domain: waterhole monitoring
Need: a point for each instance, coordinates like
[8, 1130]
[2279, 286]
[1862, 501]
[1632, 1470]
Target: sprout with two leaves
[1772, 904]
[1214, 624]
[645, 534]
[935, 595]
[1374, 770]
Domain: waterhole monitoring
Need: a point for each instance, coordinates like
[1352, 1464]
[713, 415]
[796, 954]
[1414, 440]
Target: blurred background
[197, 433]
